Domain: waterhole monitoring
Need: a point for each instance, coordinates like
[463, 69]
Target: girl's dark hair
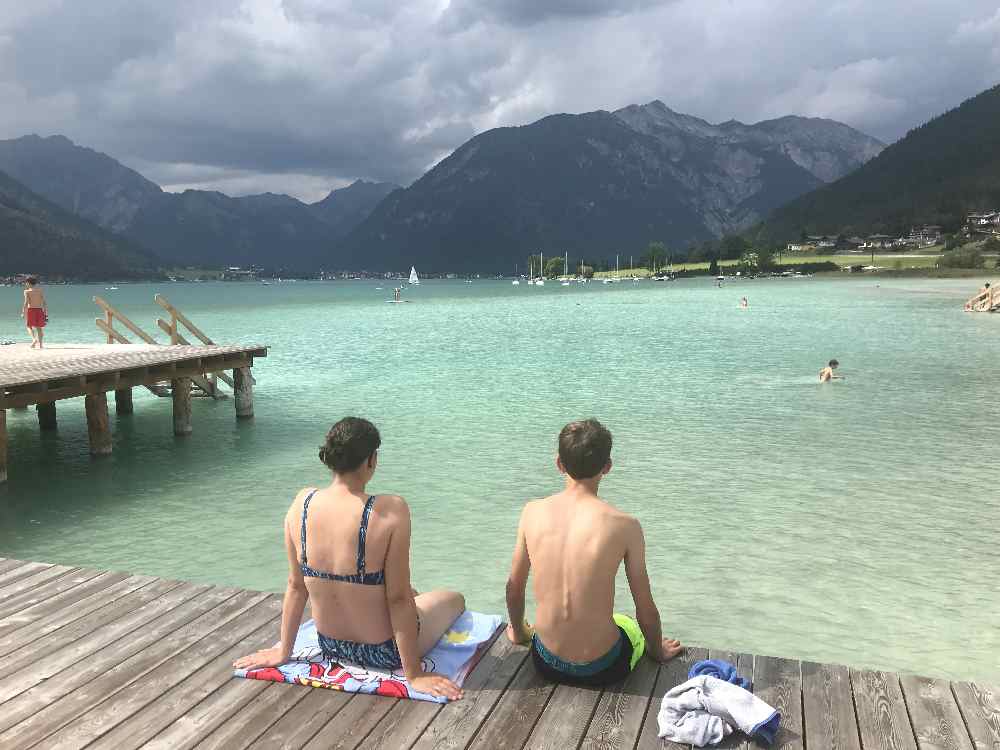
[349, 443]
[34, 280]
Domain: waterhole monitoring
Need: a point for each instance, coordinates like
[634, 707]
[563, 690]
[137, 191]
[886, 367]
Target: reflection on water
[854, 522]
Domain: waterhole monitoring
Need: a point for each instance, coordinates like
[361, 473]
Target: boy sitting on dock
[34, 311]
[576, 542]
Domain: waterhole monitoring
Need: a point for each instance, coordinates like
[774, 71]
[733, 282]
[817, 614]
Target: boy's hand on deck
[269, 657]
[436, 684]
[520, 636]
[669, 648]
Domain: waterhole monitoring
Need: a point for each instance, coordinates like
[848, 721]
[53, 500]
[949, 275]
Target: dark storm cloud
[303, 95]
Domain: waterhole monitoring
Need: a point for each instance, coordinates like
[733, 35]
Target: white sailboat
[541, 270]
[516, 281]
[414, 279]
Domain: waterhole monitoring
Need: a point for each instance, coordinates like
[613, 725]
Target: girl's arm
[403, 612]
[292, 607]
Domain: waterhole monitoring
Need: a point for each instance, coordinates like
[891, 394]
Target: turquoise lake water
[855, 522]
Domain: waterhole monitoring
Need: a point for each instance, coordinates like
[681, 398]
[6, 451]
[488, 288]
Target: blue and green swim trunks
[612, 667]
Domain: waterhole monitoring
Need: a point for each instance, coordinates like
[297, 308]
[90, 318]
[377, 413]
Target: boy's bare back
[576, 543]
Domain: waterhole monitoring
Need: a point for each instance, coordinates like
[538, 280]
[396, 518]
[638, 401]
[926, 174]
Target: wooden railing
[988, 300]
[208, 385]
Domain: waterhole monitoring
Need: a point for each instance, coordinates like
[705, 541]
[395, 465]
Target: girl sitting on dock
[367, 614]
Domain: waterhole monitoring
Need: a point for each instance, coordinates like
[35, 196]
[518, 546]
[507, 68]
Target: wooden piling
[3, 445]
[46, 415]
[98, 426]
[181, 390]
[123, 401]
[243, 392]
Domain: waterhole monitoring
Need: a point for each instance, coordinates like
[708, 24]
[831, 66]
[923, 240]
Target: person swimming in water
[827, 373]
[744, 303]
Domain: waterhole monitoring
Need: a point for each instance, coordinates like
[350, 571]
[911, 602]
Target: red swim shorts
[37, 317]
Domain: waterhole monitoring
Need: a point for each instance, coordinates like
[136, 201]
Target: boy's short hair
[349, 443]
[584, 448]
[834, 363]
[31, 280]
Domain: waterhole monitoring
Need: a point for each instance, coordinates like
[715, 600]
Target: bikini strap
[363, 532]
[305, 514]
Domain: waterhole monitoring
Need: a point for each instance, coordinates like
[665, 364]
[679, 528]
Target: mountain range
[593, 183]
[590, 184]
[40, 237]
[935, 175]
[195, 227]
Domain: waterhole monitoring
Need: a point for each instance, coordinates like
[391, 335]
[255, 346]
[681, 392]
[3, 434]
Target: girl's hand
[436, 684]
[669, 648]
[269, 657]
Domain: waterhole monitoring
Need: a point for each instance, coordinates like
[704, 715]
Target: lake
[854, 522]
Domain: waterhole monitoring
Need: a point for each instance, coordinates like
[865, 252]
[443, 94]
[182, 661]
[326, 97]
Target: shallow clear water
[854, 522]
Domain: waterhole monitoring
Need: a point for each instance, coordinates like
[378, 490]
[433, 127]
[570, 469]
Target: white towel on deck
[704, 710]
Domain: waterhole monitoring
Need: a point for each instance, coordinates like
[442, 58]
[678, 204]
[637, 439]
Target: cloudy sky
[299, 96]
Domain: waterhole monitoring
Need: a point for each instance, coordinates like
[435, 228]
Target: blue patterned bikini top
[365, 579]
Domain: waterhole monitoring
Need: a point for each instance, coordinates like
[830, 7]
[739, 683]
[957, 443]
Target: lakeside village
[981, 231]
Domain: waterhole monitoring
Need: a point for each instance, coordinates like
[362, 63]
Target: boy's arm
[24, 304]
[519, 630]
[638, 581]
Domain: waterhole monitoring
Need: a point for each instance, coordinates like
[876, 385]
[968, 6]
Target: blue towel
[719, 669]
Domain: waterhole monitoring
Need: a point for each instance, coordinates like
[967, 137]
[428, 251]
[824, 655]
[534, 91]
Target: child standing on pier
[576, 542]
[34, 311]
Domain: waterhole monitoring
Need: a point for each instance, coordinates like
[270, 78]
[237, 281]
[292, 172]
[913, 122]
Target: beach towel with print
[454, 656]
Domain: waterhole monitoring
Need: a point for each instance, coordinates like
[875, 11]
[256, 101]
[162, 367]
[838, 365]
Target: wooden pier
[40, 378]
[110, 660]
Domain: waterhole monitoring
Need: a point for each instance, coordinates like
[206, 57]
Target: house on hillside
[983, 223]
[925, 236]
[800, 247]
[879, 241]
[235, 273]
[822, 240]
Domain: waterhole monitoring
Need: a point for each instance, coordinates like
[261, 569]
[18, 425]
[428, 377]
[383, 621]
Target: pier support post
[181, 390]
[46, 415]
[98, 426]
[3, 445]
[123, 401]
[243, 392]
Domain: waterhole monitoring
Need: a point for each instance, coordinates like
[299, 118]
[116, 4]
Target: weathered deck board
[934, 714]
[59, 611]
[778, 682]
[882, 717]
[980, 707]
[828, 708]
[117, 662]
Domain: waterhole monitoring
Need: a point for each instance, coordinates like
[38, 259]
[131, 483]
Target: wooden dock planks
[116, 662]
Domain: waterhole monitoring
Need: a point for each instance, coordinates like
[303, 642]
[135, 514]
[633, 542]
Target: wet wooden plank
[304, 720]
[41, 593]
[33, 624]
[352, 724]
[172, 704]
[134, 683]
[882, 719]
[54, 703]
[778, 682]
[510, 722]
[618, 719]
[456, 723]
[828, 708]
[934, 715]
[670, 675]
[565, 719]
[980, 707]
